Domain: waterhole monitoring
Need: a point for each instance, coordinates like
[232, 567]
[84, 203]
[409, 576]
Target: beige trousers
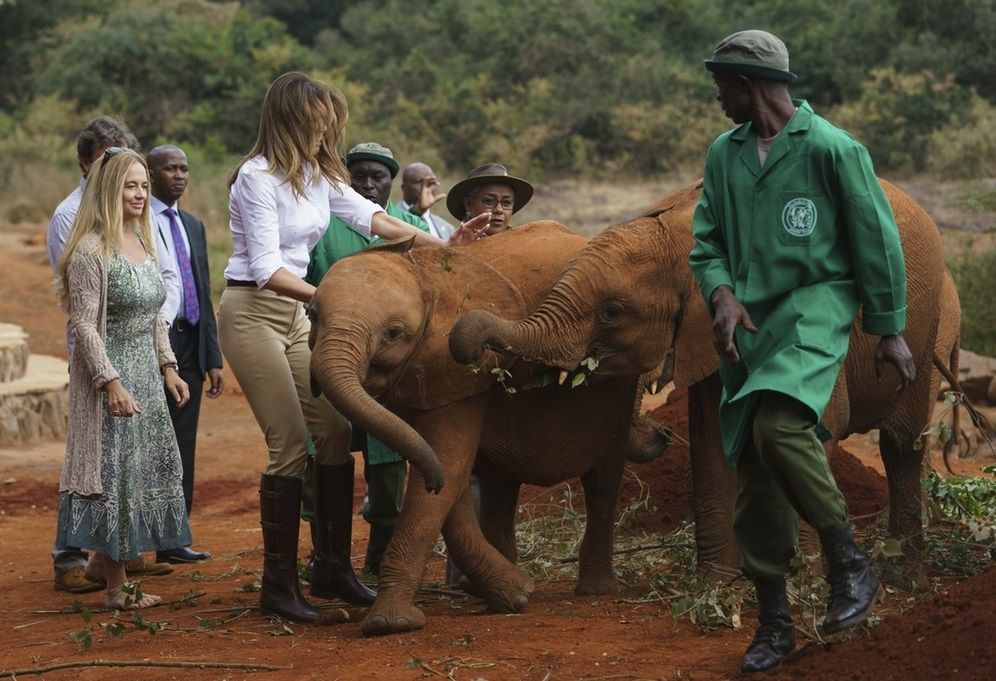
[264, 337]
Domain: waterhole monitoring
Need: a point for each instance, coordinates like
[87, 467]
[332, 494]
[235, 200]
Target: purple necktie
[191, 309]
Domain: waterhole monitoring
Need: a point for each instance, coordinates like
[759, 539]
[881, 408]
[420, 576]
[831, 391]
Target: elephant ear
[402, 245]
[694, 357]
[453, 282]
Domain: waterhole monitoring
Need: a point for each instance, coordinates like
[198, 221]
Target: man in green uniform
[372, 169]
[793, 233]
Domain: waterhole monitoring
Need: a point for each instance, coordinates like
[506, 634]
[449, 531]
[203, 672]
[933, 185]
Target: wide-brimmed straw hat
[489, 173]
[752, 53]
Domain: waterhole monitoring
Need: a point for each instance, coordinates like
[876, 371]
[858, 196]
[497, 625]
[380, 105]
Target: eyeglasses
[490, 202]
[110, 152]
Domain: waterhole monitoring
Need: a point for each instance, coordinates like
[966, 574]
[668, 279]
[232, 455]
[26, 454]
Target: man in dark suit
[193, 334]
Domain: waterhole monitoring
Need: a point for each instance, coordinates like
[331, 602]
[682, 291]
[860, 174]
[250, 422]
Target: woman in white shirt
[281, 197]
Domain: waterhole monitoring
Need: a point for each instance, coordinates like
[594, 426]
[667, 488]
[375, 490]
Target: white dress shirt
[61, 225]
[162, 231]
[272, 228]
[438, 227]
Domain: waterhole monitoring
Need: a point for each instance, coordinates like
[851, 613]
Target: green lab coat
[339, 241]
[802, 241]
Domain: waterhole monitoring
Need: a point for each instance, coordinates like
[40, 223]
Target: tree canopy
[551, 87]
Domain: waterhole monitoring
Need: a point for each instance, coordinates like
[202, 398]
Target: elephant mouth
[542, 374]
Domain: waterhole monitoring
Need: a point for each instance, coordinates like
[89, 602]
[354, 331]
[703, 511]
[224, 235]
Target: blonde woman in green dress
[120, 492]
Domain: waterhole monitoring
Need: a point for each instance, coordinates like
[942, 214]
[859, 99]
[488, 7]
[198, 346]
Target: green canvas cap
[371, 151]
[752, 53]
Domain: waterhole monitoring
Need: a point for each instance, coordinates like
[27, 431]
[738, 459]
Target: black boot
[380, 537]
[309, 568]
[854, 588]
[333, 576]
[279, 513]
[775, 638]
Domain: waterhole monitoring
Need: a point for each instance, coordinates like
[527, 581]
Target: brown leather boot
[333, 575]
[280, 518]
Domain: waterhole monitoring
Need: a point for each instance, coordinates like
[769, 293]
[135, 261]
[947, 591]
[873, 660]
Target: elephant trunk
[537, 338]
[339, 377]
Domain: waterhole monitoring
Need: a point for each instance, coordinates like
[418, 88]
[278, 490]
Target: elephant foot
[600, 586]
[383, 619]
[510, 594]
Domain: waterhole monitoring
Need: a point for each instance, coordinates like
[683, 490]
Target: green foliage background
[602, 89]
[553, 87]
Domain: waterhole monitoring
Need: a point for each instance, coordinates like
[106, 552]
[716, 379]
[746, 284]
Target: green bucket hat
[371, 151]
[752, 53]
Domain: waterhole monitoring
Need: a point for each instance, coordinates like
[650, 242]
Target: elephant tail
[950, 373]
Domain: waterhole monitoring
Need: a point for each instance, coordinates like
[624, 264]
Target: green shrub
[975, 276]
[966, 147]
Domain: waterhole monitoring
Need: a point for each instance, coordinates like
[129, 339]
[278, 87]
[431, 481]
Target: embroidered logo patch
[799, 217]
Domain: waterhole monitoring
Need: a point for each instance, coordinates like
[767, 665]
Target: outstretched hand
[728, 315]
[470, 230]
[893, 350]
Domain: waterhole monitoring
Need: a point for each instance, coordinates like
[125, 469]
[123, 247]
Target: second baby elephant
[380, 326]
[629, 303]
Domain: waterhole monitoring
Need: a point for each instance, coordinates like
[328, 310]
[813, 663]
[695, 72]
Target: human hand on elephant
[893, 350]
[472, 229]
[728, 314]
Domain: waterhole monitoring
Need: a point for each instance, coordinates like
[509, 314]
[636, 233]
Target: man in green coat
[793, 233]
[372, 169]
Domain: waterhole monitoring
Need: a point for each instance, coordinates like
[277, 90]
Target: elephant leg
[491, 576]
[601, 491]
[903, 465]
[714, 484]
[453, 433]
[499, 502]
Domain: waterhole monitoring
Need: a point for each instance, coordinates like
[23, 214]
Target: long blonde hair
[292, 108]
[101, 211]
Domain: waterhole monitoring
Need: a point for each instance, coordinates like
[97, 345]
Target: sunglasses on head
[111, 152]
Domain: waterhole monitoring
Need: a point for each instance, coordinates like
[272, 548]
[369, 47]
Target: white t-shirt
[272, 228]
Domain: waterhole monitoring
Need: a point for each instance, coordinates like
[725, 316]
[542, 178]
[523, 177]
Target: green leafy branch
[503, 376]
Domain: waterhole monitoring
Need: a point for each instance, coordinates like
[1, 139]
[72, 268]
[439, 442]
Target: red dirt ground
[559, 636]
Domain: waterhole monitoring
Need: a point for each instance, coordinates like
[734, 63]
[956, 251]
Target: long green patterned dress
[142, 507]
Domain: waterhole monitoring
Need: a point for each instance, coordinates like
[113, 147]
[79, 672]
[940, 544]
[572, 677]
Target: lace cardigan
[90, 369]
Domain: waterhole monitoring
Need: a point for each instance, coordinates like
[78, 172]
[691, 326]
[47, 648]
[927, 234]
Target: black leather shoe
[184, 554]
[775, 638]
[854, 588]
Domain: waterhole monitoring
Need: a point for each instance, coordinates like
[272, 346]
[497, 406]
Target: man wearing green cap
[793, 233]
[372, 170]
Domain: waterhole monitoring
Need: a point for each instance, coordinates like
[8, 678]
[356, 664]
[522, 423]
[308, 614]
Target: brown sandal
[129, 596]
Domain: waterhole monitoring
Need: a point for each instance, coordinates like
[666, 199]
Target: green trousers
[385, 490]
[782, 475]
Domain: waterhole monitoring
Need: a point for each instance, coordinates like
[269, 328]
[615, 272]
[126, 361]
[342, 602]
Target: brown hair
[103, 131]
[293, 108]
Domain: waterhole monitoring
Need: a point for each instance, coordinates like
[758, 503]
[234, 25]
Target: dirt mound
[866, 491]
[949, 637]
[864, 488]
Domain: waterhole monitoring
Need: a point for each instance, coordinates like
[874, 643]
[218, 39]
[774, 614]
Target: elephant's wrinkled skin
[629, 299]
[380, 324]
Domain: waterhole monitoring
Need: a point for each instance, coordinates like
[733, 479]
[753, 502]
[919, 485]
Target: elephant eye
[393, 332]
[611, 311]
